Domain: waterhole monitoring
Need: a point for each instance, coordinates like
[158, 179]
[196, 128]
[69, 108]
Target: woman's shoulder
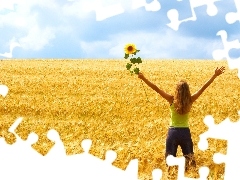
[171, 100]
[171, 103]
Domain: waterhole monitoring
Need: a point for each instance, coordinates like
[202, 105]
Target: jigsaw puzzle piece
[234, 53]
[3, 90]
[177, 161]
[173, 14]
[224, 53]
[110, 156]
[4, 149]
[14, 126]
[219, 131]
[153, 6]
[91, 167]
[21, 151]
[106, 9]
[87, 163]
[233, 17]
[131, 172]
[226, 130]
[132, 169]
[177, 12]
[58, 150]
[180, 162]
[21, 148]
[231, 158]
[220, 54]
[157, 174]
[30, 152]
[219, 158]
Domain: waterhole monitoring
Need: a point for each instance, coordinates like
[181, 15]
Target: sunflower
[130, 49]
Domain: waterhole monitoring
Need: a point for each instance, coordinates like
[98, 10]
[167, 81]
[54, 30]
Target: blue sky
[101, 28]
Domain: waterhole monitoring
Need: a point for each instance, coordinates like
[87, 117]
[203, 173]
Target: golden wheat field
[100, 100]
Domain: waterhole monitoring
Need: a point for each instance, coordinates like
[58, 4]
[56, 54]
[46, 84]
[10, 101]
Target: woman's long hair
[182, 98]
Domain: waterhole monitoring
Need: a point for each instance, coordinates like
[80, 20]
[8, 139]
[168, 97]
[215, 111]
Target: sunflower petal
[130, 48]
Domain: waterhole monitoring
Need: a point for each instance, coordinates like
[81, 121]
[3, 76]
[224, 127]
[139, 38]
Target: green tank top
[178, 120]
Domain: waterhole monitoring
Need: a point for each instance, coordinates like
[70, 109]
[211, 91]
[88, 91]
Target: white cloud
[23, 17]
[79, 9]
[95, 48]
[37, 38]
[153, 6]
[154, 45]
[146, 42]
[27, 5]
[106, 11]
[103, 9]
[166, 44]
[7, 4]
[25, 21]
[12, 45]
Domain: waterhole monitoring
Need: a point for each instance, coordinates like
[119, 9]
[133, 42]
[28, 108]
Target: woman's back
[178, 120]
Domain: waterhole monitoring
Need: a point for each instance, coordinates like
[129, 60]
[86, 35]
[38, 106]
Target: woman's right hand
[140, 75]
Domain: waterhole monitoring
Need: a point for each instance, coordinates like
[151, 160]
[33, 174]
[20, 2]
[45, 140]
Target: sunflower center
[130, 48]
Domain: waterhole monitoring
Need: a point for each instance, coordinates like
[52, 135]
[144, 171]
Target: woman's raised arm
[200, 91]
[165, 95]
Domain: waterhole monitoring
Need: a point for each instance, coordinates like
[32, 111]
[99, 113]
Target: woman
[180, 106]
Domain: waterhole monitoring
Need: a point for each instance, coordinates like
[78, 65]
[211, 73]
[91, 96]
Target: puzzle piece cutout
[104, 11]
[56, 164]
[233, 17]
[21, 147]
[58, 149]
[7, 4]
[173, 14]
[180, 162]
[86, 166]
[224, 53]
[153, 6]
[3, 90]
[9, 54]
[226, 130]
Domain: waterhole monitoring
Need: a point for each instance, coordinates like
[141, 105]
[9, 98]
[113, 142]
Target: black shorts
[181, 137]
